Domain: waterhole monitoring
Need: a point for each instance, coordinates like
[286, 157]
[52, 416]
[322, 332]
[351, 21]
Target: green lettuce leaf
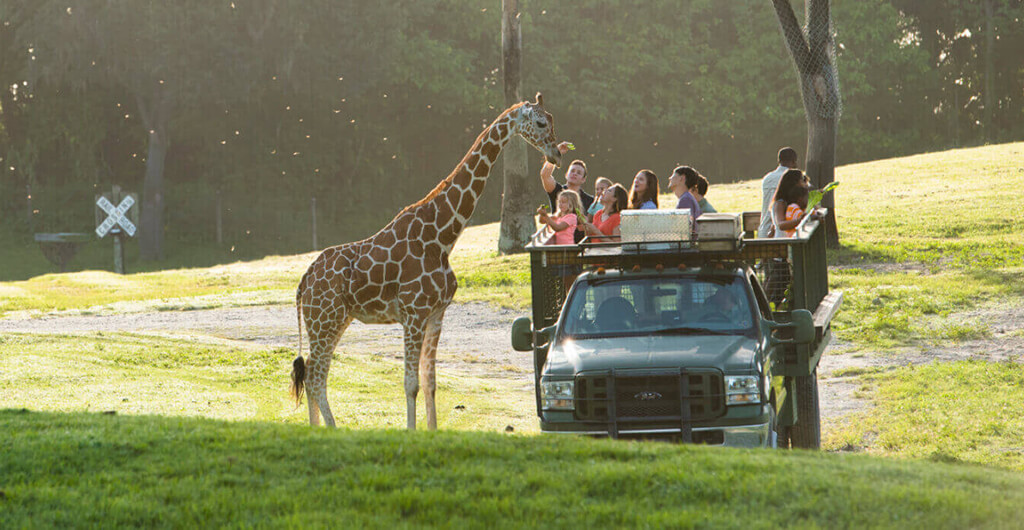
[816, 195]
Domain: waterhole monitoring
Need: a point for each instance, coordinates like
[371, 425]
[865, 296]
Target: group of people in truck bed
[578, 214]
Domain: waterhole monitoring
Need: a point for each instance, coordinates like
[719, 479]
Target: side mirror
[522, 334]
[802, 324]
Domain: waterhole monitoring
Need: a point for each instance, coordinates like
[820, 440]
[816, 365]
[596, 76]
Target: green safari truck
[696, 342]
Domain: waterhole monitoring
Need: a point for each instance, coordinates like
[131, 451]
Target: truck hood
[731, 354]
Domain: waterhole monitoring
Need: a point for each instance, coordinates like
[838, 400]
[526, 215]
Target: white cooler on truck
[643, 226]
[719, 231]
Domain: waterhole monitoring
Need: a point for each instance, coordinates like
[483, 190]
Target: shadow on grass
[852, 255]
[995, 277]
[22, 258]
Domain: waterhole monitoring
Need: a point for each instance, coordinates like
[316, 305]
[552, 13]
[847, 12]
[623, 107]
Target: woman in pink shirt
[606, 222]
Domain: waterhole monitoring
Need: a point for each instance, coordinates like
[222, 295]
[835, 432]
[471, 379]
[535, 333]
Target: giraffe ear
[540, 100]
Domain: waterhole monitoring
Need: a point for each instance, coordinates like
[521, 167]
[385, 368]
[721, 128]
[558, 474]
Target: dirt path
[475, 341]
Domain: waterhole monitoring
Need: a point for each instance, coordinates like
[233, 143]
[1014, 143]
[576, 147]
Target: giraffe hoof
[460, 407]
[509, 428]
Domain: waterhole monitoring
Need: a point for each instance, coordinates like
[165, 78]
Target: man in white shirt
[787, 161]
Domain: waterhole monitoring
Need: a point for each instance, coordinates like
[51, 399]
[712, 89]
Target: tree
[516, 215]
[974, 48]
[813, 53]
[163, 58]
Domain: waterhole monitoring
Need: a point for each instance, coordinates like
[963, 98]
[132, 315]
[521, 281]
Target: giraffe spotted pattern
[401, 274]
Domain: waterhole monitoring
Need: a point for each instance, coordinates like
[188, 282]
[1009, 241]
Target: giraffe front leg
[413, 347]
[428, 372]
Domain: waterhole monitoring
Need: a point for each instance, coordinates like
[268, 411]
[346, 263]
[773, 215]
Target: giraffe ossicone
[401, 274]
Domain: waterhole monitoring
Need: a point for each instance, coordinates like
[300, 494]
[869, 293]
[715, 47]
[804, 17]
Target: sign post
[114, 220]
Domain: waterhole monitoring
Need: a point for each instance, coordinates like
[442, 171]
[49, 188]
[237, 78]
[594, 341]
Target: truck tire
[806, 433]
[781, 436]
[778, 431]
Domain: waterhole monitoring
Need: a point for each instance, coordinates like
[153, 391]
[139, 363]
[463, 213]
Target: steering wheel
[715, 316]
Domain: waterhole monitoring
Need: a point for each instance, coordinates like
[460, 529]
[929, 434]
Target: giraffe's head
[537, 127]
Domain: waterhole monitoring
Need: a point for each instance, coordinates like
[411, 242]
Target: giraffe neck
[457, 195]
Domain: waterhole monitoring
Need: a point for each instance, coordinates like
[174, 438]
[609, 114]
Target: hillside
[71, 470]
[927, 355]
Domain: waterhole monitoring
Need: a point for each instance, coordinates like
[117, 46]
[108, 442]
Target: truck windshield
[661, 305]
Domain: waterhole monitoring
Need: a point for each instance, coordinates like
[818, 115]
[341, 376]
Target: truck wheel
[806, 433]
[780, 433]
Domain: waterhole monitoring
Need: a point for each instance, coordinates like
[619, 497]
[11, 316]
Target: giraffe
[401, 274]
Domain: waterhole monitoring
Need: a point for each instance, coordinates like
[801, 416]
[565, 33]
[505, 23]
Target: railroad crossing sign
[116, 219]
[115, 216]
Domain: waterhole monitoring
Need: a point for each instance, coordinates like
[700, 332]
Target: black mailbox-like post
[60, 248]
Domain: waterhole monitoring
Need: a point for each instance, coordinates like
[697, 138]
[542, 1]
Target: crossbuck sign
[115, 216]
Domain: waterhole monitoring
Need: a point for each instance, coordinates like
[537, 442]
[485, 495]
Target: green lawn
[230, 380]
[925, 238]
[86, 470]
[968, 411]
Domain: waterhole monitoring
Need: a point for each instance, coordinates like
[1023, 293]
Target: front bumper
[756, 435]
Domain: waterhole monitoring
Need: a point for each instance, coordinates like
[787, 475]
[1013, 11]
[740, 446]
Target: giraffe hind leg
[321, 349]
[314, 408]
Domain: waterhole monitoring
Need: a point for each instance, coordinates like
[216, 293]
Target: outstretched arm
[548, 168]
[555, 224]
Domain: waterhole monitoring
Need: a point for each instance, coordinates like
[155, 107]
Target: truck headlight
[556, 395]
[742, 390]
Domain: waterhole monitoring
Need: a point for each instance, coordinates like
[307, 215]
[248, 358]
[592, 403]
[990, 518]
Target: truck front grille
[650, 396]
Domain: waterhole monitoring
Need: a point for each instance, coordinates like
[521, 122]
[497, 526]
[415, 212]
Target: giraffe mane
[444, 184]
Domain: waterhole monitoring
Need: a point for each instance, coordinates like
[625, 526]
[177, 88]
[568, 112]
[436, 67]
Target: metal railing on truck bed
[798, 264]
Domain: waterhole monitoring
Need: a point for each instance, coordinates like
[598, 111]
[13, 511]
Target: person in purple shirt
[683, 180]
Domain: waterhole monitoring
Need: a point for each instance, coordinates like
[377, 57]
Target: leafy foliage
[365, 106]
[816, 195]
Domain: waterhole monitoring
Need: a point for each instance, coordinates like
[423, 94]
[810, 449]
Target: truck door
[762, 300]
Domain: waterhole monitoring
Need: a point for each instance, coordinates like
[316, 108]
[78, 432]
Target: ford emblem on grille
[647, 395]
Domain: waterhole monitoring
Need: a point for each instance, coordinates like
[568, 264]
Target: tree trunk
[151, 231]
[821, 167]
[819, 86]
[516, 214]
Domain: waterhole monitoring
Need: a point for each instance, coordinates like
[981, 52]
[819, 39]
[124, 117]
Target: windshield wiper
[687, 330]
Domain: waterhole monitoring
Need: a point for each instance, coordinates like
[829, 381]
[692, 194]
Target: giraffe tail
[299, 365]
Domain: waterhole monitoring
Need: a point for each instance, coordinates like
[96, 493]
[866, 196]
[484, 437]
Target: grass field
[926, 240]
[968, 411]
[229, 380]
[72, 470]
